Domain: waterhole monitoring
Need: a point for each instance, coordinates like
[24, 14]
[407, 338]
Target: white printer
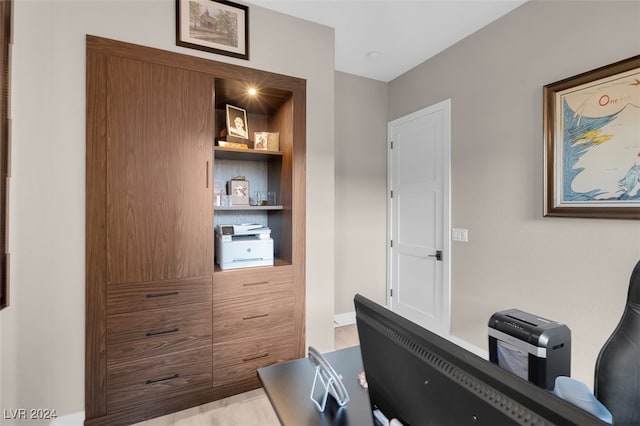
[243, 246]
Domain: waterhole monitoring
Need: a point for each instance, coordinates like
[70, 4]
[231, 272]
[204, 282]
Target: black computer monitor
[421, 378]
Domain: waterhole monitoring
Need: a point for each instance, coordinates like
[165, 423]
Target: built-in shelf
[233, 208]
[223, 153]
[276, 263]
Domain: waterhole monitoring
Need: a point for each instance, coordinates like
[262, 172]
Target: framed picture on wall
[216, 26]
[592, 143]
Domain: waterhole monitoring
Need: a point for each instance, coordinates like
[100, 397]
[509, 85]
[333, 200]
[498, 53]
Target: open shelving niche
[269, 111]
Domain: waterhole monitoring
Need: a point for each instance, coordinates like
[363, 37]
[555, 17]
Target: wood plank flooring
[346, 336]
[247, 409]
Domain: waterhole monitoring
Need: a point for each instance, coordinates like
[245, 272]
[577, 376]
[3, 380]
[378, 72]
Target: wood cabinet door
[159, 158]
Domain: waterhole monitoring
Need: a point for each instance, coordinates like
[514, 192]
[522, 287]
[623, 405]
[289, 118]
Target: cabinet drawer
[238, 360]
[253, 317]
[252, 282]
[142, 296]
[152, 379]
[158, 331]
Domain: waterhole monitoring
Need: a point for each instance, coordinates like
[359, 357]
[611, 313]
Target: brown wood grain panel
[150, 380]
[281, 181]
[221, 70]
[95, 242]
[251, 282]
[267, 99]
[299, 172]
[239, 359]
[138, 334]
[253, 317]
[127, 297]
[257, 123]
[224, 153]
[159, 196]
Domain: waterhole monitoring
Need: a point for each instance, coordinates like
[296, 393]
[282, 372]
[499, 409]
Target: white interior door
[419, 218]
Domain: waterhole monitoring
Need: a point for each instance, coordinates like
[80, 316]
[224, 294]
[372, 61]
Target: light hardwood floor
[345, 336]
[246, 409]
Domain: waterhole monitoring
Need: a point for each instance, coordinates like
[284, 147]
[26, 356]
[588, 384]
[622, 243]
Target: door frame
[446, 214]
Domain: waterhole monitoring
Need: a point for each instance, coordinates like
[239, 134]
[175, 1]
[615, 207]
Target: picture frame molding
[550, 110]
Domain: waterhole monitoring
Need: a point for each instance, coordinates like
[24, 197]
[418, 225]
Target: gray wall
[42, 346]
[571, 270]
[360, 188]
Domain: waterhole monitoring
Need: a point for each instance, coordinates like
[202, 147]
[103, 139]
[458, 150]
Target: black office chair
[617, 373]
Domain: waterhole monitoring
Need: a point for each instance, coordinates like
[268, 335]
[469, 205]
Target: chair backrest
[617, 372]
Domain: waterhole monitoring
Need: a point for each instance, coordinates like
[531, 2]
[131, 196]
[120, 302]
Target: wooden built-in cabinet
[254, 318]
[166, 329]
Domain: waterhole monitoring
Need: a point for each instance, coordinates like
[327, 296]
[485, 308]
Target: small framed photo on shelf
[237, 122]
[239, 191]
[260, 141]
[266, 141]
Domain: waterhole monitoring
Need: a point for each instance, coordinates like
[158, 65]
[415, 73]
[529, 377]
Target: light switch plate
[460, 234]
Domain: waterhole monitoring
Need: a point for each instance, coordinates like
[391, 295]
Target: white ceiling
[403, 33]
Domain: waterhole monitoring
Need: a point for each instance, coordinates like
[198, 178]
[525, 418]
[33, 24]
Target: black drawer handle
[258, 283]
[251, 358]
[254, 316]
[164, 379]
[173, 293]
[157, 333]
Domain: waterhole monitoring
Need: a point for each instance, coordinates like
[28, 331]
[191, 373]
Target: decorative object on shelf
[237, 122]
[260, 140]
[238, 191]
[219, 192]
[267, 141]
[592, 149]
[222, 200]
[273, 141]
[215, 26]
[219, 186]
[266, 198]
[235, 145]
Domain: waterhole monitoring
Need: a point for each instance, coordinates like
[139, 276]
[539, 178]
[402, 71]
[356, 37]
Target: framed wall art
[216, 26]
[592, 143]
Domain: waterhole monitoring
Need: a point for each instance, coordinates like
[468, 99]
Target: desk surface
[288, 386]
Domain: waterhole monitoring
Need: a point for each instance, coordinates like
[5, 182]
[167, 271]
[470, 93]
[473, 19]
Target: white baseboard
[468, 346]
[347, 318]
